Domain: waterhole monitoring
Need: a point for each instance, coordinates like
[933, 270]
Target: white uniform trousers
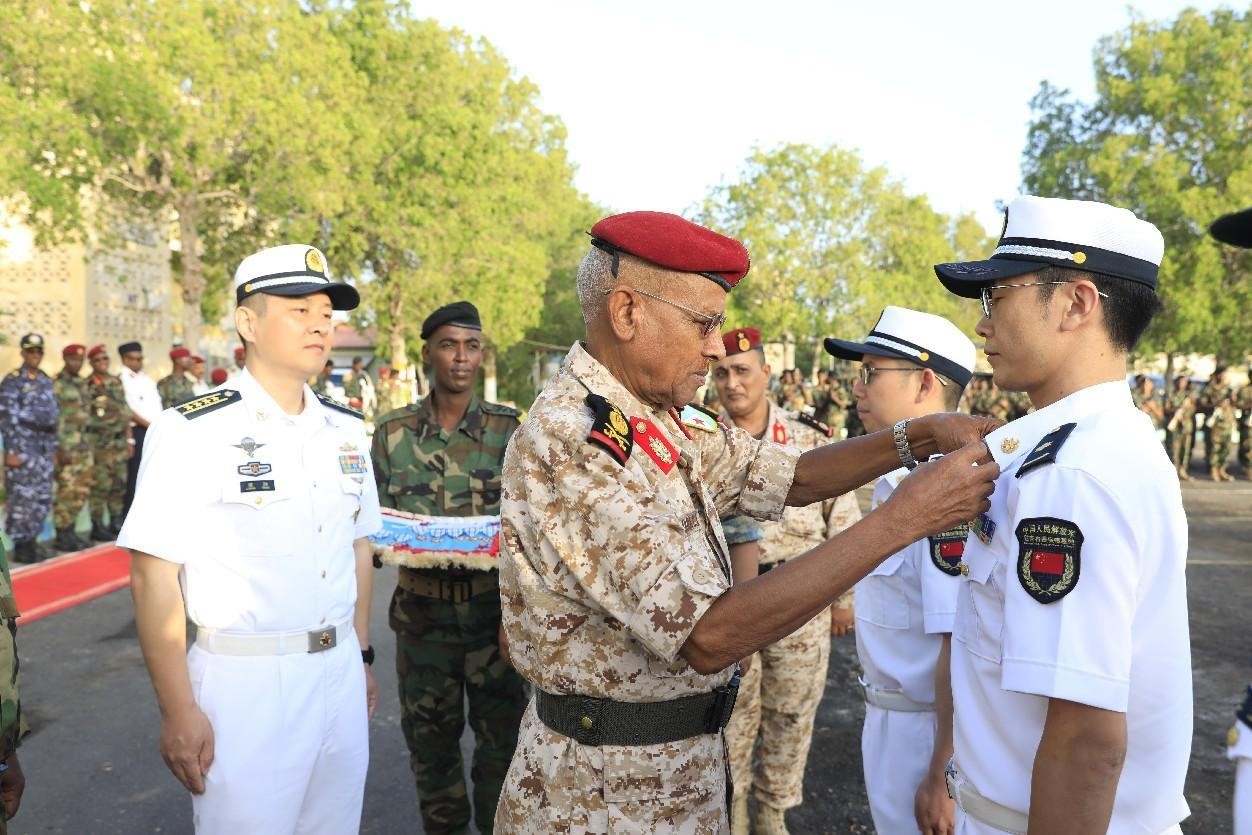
[1243, 796]
[965, 825]
[291, 737]
[895, 748]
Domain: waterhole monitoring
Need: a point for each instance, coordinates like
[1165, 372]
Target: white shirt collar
[1015, 439]
[264, 407]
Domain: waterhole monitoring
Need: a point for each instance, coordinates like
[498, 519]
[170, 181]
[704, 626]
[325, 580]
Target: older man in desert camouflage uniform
[782, 687]
[615, 576]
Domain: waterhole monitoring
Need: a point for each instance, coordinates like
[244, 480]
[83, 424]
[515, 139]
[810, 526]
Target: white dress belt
[980, 808]
[220, 642]
[892, 699]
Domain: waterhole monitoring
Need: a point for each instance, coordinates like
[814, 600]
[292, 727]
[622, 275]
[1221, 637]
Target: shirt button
[700, 575]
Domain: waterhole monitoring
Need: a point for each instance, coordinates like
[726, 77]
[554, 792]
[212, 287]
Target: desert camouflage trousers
[777, 703]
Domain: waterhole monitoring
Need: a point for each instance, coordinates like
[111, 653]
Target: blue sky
[664, 100]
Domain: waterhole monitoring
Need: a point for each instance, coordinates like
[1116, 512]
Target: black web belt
[592, 721]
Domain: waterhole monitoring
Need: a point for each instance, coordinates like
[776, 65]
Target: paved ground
[93, 767]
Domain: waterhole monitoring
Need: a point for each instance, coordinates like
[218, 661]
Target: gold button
[1080, 257]
[257, 500]
[923, 356]
[586, 722]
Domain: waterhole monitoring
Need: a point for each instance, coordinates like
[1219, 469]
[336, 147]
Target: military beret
[97, 351]
[217, 376]
[741, 340]
[129, 348]
[292, 270]
[673, 243]
[459, 314]
[32, 340]
[194, 358]
[73, 350]
[1234, 229]
[240, 352]
[179, 353]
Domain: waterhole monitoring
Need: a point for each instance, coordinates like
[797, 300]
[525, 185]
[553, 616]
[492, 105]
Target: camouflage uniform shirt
[71, 393]
[606, 567]
[174, 389]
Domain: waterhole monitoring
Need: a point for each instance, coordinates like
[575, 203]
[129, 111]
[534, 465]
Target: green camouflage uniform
[12, 722]
[1243, 402]
[445, 649]
[321, 384]
[1151, 400]
[1180, 426]
[74, 467]
[352, 385]
[174, 388]
[1206, 404]
[106, 430]
[1220, 427]
[833, 400]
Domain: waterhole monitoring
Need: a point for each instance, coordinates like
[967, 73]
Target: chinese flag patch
[1048, 557]
[947, 549]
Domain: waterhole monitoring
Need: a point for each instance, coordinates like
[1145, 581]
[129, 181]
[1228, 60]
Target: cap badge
[1080, 257]
[923, 356]
[313, 260]
[744, 344]
[1008, 446]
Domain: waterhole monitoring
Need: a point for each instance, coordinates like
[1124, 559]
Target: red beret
[673, 243]
[73, 350]
[239, 353]
[217, 376]
[97, 351]
[179, 353]
[197, 359]
[740, 340]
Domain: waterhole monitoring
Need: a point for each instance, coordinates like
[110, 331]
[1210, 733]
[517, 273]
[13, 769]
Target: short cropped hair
[1128, 310]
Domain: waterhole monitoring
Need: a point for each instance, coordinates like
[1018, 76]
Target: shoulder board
[1245, 710]
[815, 424]
[1045, 451]
[610, 430]
[339, 407]
[499, 409]
[197, 406]
[394, 414]
[699, 417]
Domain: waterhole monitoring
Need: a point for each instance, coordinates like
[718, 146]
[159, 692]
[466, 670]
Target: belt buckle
[458, 591]
[724, 699]
[321, 640]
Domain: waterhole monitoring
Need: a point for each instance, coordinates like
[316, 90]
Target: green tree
[225, 121]
[461, 190]
[833, 242]
[1166, 137]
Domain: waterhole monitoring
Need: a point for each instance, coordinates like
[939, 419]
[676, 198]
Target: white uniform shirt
[142, 396]
[902, 609]
[260, 508]
[1118, 640]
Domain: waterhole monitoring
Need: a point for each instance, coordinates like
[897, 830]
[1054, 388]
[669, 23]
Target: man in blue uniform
[28, 418]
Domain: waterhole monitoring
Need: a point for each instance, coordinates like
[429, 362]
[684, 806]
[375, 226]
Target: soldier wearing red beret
[74, 468]
[111, 436]
[178, 385]
[614, 572]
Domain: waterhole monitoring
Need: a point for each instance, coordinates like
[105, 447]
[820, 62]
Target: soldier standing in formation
[28, 419]
[112, 445]
[12, 721]
[1148, 401]
[75, 467]
[144, 402]
[442, 457]
[177, 386]
[1179, 414]
[1243, 402]
[321, 383]
[615, 576]
[241, 354]
[1219, 399]
[782, 687]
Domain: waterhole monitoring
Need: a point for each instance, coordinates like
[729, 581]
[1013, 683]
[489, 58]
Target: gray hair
[595, 278]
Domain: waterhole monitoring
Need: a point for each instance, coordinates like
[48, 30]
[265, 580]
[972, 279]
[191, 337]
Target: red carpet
[48, 587]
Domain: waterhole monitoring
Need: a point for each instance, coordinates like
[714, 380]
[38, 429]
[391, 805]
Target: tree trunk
[489, 373]
[192, 280]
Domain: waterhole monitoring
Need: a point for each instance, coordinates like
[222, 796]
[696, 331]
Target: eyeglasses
[709, 324]
[988, 302]
[867, 373]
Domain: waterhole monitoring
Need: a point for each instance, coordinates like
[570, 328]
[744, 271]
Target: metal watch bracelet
[901, 437]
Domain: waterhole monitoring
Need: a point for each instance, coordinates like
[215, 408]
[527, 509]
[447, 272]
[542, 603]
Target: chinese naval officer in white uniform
[1070, 653]
[912, 364]
[265, 719]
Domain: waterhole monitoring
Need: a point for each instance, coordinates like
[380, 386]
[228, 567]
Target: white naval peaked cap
[1078, 234]
[930, 341]
[292, 270]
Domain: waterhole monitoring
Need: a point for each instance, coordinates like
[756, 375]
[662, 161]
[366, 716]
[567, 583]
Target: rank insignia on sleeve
[651, 440]
[698, 417]
[1047, 448]
[1048, 557]
[214, 400]
[948, 548]
[815, 424]
[610, 429]
[984, 528]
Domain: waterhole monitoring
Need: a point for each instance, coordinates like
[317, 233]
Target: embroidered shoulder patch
[610, 430]
[1048, 557]
[339, 407]
[698, 417]
[1045, 451]
[813, 423]
[197, 406]
[948, 548]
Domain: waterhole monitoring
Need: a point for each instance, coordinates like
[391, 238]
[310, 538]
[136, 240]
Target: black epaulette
[1045, 451]
[339, 407]
[1245, 711]
[815, 424]
[203, 404]
[499, 409]
[611, 430]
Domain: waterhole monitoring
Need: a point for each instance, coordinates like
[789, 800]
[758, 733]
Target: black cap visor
[1234, 229]
[967, 279]
[342, 296]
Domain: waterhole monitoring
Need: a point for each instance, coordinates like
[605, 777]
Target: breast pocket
[980, 624]
[485, 492]
[257, 511]
[880, 600]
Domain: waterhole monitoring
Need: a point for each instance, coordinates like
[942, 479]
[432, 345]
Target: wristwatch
[367, 654]
[901, 437]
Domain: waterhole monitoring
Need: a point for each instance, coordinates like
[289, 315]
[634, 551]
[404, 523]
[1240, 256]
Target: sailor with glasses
[1070, 654]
